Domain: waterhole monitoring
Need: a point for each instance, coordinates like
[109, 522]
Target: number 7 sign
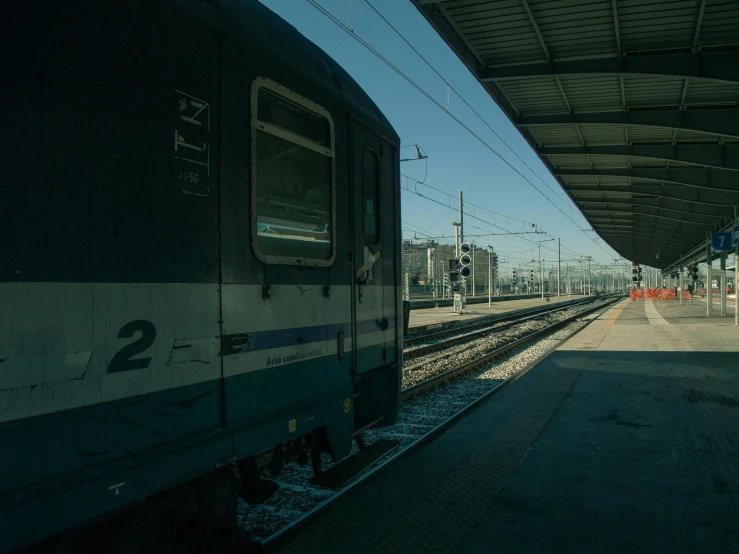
[721, 242]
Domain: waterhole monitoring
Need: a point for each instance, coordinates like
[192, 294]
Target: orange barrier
[655, 294]
[715, 291]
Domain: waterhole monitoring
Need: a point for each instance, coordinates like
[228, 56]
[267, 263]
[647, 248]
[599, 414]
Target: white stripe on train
[60, 341]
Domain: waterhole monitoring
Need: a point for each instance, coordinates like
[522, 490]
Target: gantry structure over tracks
[633, 106]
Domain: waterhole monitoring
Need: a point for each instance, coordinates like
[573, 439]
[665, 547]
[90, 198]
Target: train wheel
[254, 489]
[315, 461]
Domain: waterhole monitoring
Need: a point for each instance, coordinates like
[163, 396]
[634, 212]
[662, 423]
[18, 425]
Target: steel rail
[439, 378]
[482, 328]
[501, 318]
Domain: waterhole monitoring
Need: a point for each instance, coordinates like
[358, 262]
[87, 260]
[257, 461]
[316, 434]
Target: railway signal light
[514, 276]
[694, 272]
[465, 260]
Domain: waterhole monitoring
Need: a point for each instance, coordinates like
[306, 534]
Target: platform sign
[736, 234]
[721, 242]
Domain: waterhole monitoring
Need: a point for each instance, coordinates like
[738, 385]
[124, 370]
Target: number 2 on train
[122, 360]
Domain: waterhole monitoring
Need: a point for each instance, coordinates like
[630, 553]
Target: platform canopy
[633, 105]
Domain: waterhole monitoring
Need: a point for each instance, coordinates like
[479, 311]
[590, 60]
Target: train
[200, 266]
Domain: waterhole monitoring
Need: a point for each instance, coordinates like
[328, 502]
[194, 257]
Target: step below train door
[375, 275]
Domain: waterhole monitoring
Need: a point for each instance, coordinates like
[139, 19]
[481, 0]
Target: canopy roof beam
[720, 156]
[698, 24]
[608, 206]
[698, 177]
[629, 216]
[721, 122]
[635, 231]
[536, 29]
[617, 31]
[719, 199]
[717, 65]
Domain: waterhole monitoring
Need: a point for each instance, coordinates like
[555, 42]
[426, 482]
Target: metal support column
[736, 284]
[682, 285]
[722, 282]
[709, 279]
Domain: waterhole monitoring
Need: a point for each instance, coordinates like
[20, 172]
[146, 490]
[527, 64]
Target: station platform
[436, 318]
[624, 439]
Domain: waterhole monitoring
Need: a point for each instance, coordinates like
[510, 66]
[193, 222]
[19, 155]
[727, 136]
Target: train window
[292, 178]
[371, 196]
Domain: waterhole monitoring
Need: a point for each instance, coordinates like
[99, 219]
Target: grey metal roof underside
[633, 105]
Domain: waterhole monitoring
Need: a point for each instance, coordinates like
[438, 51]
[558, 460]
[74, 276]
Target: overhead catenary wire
[369, 47]
[452, 198]
[571, 255]
[468, 203]
[450, 87]
[473, 216]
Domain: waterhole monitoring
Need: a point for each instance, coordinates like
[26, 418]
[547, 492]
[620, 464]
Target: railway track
[423, 416]
[437, 341]
[436, 380]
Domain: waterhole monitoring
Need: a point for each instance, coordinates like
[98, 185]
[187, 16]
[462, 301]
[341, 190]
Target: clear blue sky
[457, 161]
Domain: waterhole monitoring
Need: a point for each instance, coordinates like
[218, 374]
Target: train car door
[375, 271]
[286, 299]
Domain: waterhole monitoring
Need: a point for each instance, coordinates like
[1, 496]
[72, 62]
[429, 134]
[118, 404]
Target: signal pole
[590, 284]
[456, 239]
[490, 274]
[461, 219]
[473, 268]
[559, 268]
[541, 274]
[541, 270]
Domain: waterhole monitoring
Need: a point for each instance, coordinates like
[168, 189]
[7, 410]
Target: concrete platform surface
[434, 316]
[625, 439]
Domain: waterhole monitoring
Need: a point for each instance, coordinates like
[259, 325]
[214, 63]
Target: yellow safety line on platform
[613, 315]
